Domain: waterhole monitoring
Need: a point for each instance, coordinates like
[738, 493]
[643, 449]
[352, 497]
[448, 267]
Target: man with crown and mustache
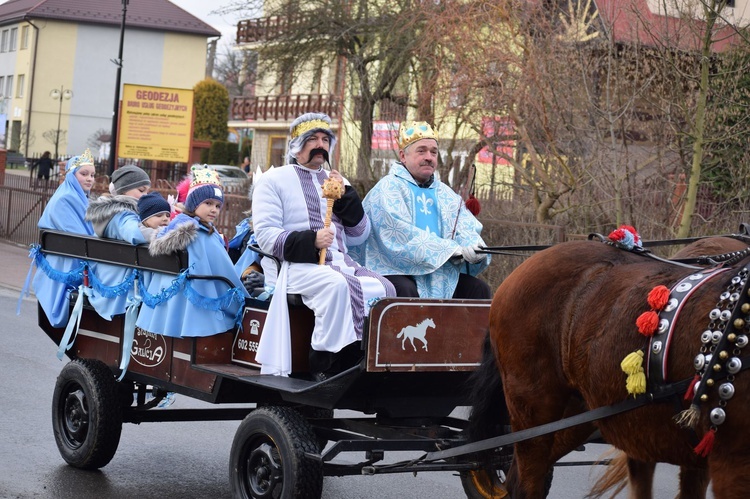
[289, 214]
[424, 239]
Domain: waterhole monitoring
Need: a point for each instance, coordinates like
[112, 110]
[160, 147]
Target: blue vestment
[398, 246]
[196, 307]
[65, 211]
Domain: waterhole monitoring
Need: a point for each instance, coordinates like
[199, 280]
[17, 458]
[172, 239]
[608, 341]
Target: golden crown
[84, 159]
[412, 131]
[306, 126]
[204, 175]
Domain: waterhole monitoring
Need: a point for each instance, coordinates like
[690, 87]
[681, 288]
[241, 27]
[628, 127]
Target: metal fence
[22, 204]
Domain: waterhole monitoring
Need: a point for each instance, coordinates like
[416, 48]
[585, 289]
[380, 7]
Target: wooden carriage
[417, 357]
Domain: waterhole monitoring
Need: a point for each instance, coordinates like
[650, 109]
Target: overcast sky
[202, 9]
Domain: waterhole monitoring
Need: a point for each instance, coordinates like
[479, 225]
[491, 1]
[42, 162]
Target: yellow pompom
[633, 363]
[636, 383]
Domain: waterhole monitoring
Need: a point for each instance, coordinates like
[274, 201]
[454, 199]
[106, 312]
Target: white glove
[469, 254]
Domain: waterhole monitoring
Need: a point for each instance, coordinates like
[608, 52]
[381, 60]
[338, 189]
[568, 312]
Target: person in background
[116, 217]
[199, 311]
[246, 165]
[44, 165]
[154, 212]
[65, 211]
[423, 239]
[288, 218]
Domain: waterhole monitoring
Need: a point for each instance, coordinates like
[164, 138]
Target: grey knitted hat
[126, 178]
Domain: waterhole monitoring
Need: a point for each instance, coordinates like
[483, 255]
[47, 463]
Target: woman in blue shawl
[65, 211]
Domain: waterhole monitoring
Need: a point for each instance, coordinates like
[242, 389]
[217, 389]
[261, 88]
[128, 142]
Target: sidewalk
[14, 258]
[14, 262]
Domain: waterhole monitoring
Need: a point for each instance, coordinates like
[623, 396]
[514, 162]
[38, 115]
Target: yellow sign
[155, 123]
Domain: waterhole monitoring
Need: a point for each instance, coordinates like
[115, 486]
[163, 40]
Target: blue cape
[177, 316]
[66, 211]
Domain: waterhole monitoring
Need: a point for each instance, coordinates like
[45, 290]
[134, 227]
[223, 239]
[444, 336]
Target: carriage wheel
[490, 483]
[268, 458]
[86, 414]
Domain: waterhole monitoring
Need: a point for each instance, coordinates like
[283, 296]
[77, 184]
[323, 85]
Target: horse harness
[718, 360]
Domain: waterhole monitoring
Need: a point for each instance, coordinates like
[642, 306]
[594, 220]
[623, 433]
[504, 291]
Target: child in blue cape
[116, 217]
[65, 211]
[197, 307]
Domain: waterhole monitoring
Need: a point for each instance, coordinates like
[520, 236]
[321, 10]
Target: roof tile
[147, 14]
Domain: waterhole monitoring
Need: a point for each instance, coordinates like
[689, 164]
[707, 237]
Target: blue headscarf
[66, 209]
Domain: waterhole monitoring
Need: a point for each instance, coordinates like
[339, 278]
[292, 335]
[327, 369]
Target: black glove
[253, 280]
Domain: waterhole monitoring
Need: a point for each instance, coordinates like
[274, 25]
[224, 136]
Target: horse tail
[489, 414]
[399, 335]
[615, 477]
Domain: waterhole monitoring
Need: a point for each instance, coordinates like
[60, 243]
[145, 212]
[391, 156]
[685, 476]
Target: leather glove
[469, 254]
[253, 280]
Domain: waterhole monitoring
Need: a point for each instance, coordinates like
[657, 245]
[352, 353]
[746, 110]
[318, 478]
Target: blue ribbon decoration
[128, 332]
[220, 303]
[71, 330]
[165, 294]
[73, 278]
[117, 289]
[33, 250]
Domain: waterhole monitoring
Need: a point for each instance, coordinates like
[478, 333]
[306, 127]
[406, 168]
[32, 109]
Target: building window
[13, 40]
[9, 86]
[4, 41]
[276, 151]
[19, 86]
[2, 86]
[24, 38]
[15, 136]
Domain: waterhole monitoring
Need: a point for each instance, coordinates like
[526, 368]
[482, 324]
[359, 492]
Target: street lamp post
[61, 94]
[115, 113]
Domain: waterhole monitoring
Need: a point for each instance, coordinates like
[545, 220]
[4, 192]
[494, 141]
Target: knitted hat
[204, 186]
[152, 204]
[126, 178]
[84, 159]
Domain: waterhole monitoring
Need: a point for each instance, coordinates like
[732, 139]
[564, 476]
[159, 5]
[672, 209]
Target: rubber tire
[268, 456]
[86, 414]
[317, 413]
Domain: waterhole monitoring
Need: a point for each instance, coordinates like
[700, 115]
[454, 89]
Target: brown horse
[561, 323]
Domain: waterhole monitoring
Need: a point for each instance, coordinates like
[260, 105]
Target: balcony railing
[283, 107]
[264, 29]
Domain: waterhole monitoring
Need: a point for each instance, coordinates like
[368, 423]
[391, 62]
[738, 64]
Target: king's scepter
[332, 190]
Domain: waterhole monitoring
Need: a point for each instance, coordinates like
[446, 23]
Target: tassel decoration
[647, 323]
[706, 444]
[632, 365]
[626, 237]
[658, 297]
[689, 417]
[691, 387]
[472, 204]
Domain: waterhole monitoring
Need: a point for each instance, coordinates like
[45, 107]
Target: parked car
[231, 176]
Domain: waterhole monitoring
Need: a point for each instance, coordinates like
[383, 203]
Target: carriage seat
[110, 251]
[292, 299]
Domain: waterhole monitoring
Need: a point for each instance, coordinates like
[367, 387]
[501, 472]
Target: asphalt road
[176, 460]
